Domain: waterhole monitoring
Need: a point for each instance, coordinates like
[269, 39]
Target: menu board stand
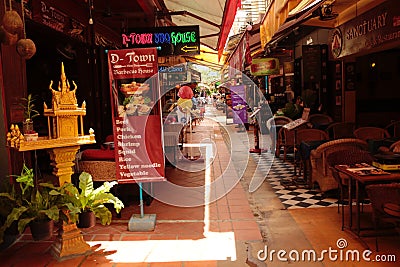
[294, 126]
[137, 123]
[256, 132]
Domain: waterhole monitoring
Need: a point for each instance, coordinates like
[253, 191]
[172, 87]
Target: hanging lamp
[12, 25]
[26, 48]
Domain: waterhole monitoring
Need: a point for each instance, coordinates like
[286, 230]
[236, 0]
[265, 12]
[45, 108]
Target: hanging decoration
[185, 94]
[26, 48]
[12, 25]
[12, 22]
[7, 38]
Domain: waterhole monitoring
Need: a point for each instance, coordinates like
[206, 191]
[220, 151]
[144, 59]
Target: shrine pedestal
[69, 243]
[63, 159]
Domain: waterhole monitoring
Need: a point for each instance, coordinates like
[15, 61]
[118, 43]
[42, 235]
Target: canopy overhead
[214, 17]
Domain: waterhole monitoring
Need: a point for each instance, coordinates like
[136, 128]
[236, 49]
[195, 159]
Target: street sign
[182, 40]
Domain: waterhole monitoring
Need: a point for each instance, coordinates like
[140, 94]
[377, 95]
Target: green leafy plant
[29, 203]
[91, 199]
[28, 104]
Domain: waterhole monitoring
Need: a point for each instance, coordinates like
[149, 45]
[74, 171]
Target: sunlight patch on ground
[216, 246]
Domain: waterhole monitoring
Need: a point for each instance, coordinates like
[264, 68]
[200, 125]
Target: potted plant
[33, 206]
[29, 113]
[90, 201]
[10, 235]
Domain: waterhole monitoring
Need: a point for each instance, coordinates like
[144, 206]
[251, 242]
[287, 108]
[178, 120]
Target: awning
[214, 17]
[302, 12]
[303, 6]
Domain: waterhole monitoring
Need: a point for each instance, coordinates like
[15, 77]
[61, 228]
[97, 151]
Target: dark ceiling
[119, 15]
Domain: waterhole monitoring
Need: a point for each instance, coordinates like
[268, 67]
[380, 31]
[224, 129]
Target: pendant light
[11, 26]
[25, 47]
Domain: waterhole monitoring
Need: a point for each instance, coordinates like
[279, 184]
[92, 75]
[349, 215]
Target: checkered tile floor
[290, 197]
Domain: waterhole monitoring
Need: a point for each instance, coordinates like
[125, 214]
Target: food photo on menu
[134, 99]
[364, 169]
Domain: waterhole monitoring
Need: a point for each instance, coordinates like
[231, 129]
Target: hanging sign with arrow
[182, 40]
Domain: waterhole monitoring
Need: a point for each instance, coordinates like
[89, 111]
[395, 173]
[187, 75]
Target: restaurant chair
[320, 173]
[173, 138]
[277, 121]
[346, 157]
[366, 133]
[286, 141]
[339, 130]
[385, 202]
[395, 147]
[274, 124]
[393, 128]
[320, 121]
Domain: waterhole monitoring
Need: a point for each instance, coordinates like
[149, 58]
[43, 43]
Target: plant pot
[42, 230]
[31, 137]
[87, 219]
[27, 127]
[10, 236]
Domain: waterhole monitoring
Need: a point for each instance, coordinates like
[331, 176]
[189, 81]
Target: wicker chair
[286, 140]
[348, 156]
[277, 121]
[365, 133]
[385, 202]
[320, 170]
[100, 170]
[395, 147]
[339, 130]
[320, 121]
[310, 135]
[393, 128]
[173, 136]
[274, 124]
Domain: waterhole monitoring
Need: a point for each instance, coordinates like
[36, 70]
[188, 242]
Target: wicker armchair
[320, 170]
[385, 202]
[286, 140]
[393, 128]
[277, 121]
[173, 137]
[348, 156]
[382, 197]
[99, 169]
[320, 121]
[339, 130]
[100, 163]
[274, 124]
[395, 147]
[310, 135]
[365, 133]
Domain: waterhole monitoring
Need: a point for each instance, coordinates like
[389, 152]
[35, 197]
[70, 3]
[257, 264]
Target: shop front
[336, 56]
[366, 53]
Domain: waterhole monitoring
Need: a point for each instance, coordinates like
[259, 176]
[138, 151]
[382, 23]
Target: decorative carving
[63, 159]
[64, 95]
[15, 137]
[64, 110]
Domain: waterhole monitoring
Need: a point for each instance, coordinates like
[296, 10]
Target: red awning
[231, 7]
